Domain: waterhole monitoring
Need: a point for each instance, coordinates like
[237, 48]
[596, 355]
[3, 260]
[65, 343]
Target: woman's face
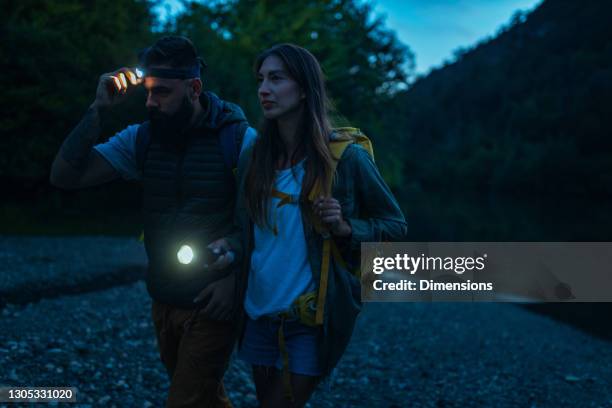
[279, 94]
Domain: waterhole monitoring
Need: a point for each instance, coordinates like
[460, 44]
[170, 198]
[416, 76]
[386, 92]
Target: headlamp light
[169, 73]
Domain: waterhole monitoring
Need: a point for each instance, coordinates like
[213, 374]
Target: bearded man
[183, 156]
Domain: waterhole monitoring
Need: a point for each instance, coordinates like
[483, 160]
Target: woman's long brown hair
[313, 129]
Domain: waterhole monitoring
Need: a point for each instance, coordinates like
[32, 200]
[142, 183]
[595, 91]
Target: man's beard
[170, 129]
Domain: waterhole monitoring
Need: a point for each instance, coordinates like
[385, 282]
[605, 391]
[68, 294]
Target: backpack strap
[143, 139]
[230, 139]
[341, 138]
[337, 145]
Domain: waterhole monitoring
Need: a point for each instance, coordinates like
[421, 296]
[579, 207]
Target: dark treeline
[52, 54]
[526, 111]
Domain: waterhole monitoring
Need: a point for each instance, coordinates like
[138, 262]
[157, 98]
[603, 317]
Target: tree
[363, 61]
[52, 54]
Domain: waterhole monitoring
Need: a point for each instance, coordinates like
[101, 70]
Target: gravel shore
[401, 355]
[32, 268]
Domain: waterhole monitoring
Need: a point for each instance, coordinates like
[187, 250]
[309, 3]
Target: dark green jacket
[374, 214]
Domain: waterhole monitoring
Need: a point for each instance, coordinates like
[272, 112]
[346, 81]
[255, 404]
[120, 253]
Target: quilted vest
[188, 198]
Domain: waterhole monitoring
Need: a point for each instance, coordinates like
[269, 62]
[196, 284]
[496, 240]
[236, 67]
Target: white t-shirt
[280, 271]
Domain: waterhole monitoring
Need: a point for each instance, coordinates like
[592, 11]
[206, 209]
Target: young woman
[304, 214]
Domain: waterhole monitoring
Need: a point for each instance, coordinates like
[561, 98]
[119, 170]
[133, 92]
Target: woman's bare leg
[271, 390]
[263, 377]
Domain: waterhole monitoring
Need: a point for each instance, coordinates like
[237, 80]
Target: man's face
[164, 95]
[170, 103]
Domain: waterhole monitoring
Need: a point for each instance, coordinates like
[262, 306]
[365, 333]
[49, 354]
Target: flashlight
[186, 255]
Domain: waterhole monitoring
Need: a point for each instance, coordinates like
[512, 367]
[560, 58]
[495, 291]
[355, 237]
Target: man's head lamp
[171, 73]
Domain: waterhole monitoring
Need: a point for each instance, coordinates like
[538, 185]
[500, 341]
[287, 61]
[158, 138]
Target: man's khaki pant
[195, 351]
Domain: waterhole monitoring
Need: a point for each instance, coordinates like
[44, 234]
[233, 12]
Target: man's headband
[172, 73]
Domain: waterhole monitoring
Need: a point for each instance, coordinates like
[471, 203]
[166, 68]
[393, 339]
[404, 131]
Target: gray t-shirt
[120, 151]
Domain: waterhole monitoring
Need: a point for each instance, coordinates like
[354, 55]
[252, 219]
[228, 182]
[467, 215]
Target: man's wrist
[77, 146]
[97, 107]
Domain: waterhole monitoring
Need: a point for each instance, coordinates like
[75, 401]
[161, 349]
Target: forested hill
[528, 111]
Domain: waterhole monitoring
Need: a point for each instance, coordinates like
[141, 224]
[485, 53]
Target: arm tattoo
[77, 146]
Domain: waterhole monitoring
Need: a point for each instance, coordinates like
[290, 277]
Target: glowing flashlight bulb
[139, 73]
[185, 254]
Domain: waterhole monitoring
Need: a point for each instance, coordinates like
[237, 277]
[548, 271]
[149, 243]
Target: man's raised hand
[114, 86]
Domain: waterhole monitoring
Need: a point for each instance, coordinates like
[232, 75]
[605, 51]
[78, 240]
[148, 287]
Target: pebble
[90, 332]
[13, 375]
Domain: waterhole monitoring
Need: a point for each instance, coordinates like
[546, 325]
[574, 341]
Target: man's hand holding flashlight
[114, 86]
[225, 256]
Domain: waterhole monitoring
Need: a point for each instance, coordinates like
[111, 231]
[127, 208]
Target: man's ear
[196, 88]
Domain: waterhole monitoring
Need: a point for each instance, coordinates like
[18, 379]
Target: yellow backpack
[310, 306]
[340, 140]
[344, 136]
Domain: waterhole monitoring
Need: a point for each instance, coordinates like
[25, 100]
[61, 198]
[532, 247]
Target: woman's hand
[330, 211]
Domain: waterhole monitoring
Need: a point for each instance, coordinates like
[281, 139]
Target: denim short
[260, 345]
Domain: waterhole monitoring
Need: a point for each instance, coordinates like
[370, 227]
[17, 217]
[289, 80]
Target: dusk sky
[433, 29]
